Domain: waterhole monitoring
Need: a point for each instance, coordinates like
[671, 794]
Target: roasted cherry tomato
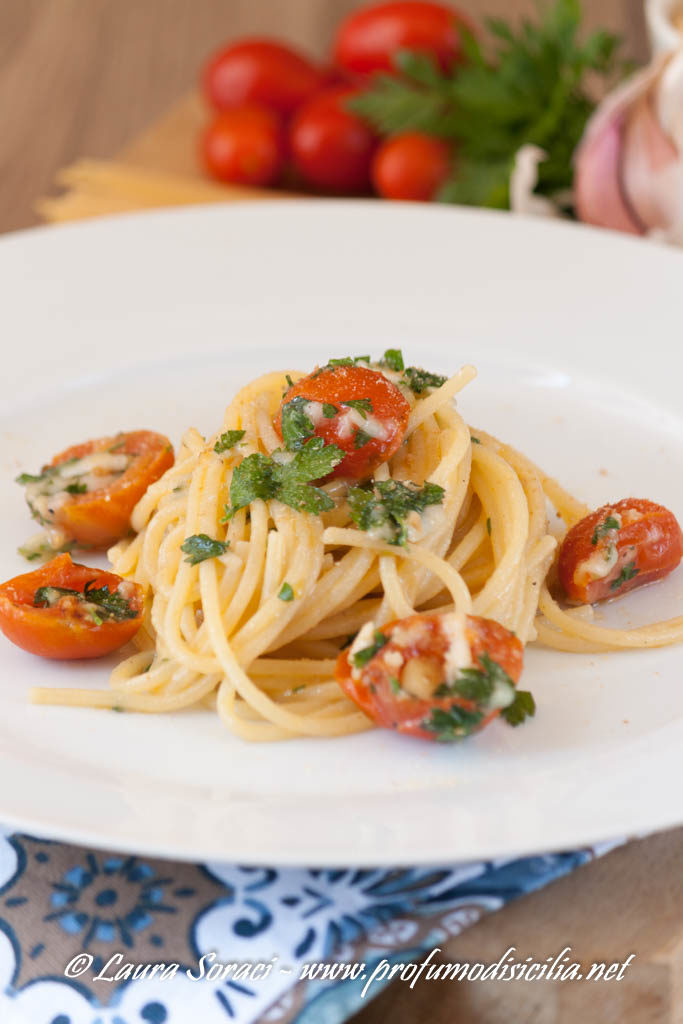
[439, 676]
[617, 548]
[245, 146]
[260, 71]
[331, 147]
[87, 493]
[410, 166]
[354, 407]
[64, 610]
[369, 39]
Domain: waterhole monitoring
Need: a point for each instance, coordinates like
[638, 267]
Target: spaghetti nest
[255, 630]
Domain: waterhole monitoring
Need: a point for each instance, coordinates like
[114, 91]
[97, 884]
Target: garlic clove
[598, 193]
[646, 151]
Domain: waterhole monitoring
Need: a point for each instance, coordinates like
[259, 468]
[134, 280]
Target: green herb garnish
[329, 410]
[627, 573]
[262, 477]
[200, 546]
[228, 440]
[286, 593]
[297, 427]
[475, 440]
[522, 707]
[478, 684]
[103, 603]
[361, 439]
[419, 380]
[395, 684]
[452, 723]
[386, 504]
[362, 657]
[393, 360]
[603, 528]
[77, 487]
[361, 405]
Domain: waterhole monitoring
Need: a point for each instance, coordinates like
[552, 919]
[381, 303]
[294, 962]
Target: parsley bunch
[533, 91]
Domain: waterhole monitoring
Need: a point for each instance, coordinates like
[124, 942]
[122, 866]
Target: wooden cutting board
[630, 901]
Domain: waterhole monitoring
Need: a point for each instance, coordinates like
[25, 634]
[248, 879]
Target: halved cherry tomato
[66, 626]
[89, 491]
[618, 548]
[245, 146]
[354, 407]
[410, 166]
[260, 71]
[403, 684]
[331, 147]
[368, 39]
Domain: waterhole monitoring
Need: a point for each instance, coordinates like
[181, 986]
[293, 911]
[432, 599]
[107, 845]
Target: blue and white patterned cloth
[58, 902]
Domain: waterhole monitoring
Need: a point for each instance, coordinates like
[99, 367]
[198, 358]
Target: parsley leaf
[534, 89]
[200, 546]
[362, 657]
[419, 380]
[361, 405]
[393, 360]
[228, 440]
[360, 439]
[261, 477]
[627, 573]
[477, 684]
[523, 706]
[297, 427]
[107, 604]
[286, 593]
[77, 487]
[329, 410]
[386, 506]
[602, 529]
[475, 440]
[453, 723]
[28, 478]
[345, 361]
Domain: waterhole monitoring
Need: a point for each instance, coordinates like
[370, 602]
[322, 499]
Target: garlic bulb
[629, 165]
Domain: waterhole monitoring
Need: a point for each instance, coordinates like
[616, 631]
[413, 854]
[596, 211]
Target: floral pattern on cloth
[58, 901]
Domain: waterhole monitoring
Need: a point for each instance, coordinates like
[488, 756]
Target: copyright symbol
[79, 965]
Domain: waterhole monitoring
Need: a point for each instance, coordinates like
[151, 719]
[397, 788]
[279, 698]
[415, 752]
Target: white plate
[155, 320]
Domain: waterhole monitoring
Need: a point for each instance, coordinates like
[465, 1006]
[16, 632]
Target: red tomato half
[245, 146]
[618, 548]
[369, 39]
[69, 627]
[331, 147]
[92, 504]
[410, 166]
[260, 71]
[369, 429]
[402, 685]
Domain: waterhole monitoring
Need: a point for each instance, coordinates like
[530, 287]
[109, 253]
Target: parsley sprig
[103, 603]
[386, 504]
[228, 440]
[603, 528]
[532, 91]
[200, 546]
[263, 477]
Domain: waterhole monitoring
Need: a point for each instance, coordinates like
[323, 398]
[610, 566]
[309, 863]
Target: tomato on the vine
[410, 166]
[260, 71]
[245, 146]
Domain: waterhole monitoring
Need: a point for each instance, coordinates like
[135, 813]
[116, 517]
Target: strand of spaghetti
[451, 578]
[658, 634]
[428, 406]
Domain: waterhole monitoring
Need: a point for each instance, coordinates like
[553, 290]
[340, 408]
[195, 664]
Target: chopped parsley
[488, 525]
[200, 546]
[603, 528]
[393, 360]
[627, 573]
[453, 723]
[360, 439]
[100, 601]
[329, 410]
[522, 707]
[475, 440]
[286, 593]
[261, 477]
[297, 427]
[40, 547]
[361, 405]
[228, 440]
[29, 478]
[77, 487]
[346, 361]
[477, 684]
[385, 506]
[395, 684]
[366, 654]
[419, 380]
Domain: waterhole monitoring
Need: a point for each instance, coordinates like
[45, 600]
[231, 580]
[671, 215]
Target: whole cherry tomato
[354, 407]
[369, 38]
[435, 676]
[64, 610]
[331, 147]
[88, 492]
[410, 166]
[618, 548]
[260, 71]
[245, 146]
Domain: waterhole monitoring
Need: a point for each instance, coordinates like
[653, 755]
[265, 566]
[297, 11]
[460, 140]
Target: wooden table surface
[82, 78]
